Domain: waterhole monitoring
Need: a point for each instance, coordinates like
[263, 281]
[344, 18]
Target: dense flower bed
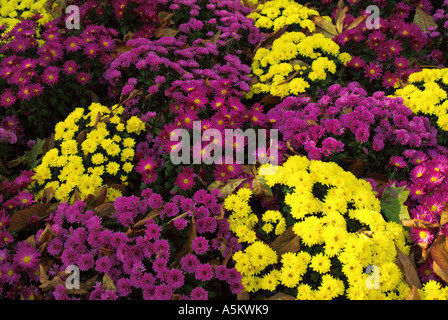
[194, 150]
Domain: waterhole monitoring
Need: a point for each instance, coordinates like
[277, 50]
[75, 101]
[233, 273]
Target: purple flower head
[204, 272]
[200, 245]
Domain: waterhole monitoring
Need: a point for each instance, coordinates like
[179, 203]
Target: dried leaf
[165, 32]
[444, 216]
[105, 210]
[439, 254]
[409, 269]
[164, 16]
[288, 241]
[46, 283]
[325, 27]
[413, 294]
[341, 4]
[48, 194]
[98, 199]
[356, 22]
[282, 296]
[182, 215]
[19, 220]
[152, 215]
[271, 100]
[243, 296]
[357, 167]
[423, 20]
[340, 17]
[260, 188]
[419, 224]
[48, 144]
[270, 38]
[311, 122]
[226, 188]
[32, 240]
[440, 271]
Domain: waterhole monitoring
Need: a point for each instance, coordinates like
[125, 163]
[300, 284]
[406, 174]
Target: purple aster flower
[171, 209]
[163, 292]
[221, 272]
[175, 278]
[85, 262]
[54, 246]
[200, 245]
[233, 276]
[204, 272]
[103, 264]
[123, 286]
[152, 230]
[402, 136]
[189, 263]
[199, 293]
[155, 201]
[180, 223]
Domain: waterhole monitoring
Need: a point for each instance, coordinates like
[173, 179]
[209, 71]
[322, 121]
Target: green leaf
[392, 205]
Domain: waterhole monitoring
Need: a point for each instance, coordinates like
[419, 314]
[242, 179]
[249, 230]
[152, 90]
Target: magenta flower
[26, 256]
[50, 76]
[373, 70]
[199, 293]
[83, 77]
[185, 180]
[200, 245]
[204, 272]
[7, 98]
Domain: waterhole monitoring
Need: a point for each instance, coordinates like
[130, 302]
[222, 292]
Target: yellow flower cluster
[433, 290]
[426, 93]
[92, 150]
[341, 232]
[12, 11]
[294, 62]
[276, 14]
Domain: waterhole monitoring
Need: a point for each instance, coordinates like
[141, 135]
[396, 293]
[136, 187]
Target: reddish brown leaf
[105, 209]
[271, 100]
[439, 253]
[98, 199]
[270, 38]
[19, 220]
[281, 296]
[409, 269]
[288, 241]
[243, 296]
